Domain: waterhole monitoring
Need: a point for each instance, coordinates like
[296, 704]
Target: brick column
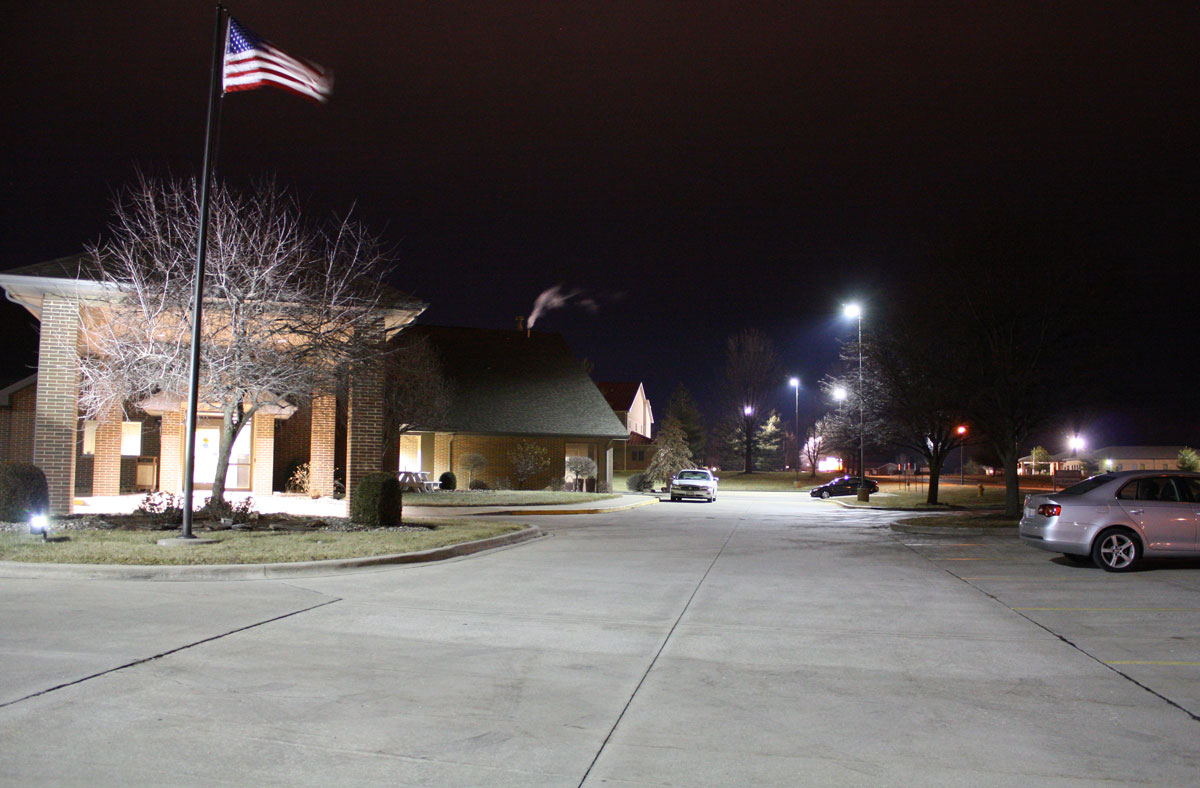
[322, 444]
[263, 451]
[170, 457]
[57, 411]
[106, 467]
[364, 425]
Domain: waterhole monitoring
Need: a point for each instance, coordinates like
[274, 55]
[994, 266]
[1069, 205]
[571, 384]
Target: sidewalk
[328, 507]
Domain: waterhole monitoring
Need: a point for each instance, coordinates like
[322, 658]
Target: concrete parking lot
[765, 639]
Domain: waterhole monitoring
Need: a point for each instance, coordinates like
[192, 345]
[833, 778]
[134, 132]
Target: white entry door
[208, 441]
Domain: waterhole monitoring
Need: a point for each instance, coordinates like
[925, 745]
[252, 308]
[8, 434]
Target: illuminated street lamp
[962, 431]
[795, 383]
[839, 393]
[1075, 443]
[854, 312]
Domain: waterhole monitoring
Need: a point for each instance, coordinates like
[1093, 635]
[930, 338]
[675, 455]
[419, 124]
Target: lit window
[131, 438]
[89, 437]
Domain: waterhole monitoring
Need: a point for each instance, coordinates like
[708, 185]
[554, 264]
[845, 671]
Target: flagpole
[214, 97]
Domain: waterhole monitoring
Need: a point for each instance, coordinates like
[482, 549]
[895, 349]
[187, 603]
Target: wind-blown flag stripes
[252, 62]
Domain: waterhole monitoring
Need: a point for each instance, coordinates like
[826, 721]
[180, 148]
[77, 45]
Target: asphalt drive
[765, 639]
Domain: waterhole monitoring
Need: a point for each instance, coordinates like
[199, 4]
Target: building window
[637, 455]
[131, 438]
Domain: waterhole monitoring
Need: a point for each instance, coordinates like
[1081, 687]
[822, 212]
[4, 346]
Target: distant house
[508, 387]
[887, 469]
[1110, 458]
[629, 401]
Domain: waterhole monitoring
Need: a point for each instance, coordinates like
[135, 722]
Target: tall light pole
[795, 383]
[962, 431]
[854, 311]
[747, 436]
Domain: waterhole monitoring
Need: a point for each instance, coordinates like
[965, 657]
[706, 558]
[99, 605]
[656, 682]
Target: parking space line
[1116, 609]
[1152, 662]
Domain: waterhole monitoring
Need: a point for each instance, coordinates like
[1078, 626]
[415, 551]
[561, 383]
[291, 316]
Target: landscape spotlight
[39, 524]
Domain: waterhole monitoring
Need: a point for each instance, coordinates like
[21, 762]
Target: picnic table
[416, 481]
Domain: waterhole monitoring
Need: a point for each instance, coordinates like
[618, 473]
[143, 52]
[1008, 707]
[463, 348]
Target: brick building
[143, 446]
[510, 386]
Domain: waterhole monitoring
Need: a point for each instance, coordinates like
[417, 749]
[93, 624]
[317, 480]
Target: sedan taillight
[1049, 510]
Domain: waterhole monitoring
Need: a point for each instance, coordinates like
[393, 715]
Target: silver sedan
[1116, 519]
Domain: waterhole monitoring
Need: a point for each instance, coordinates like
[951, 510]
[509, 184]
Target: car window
[1087, 485]
[1190, 487]
[693, 475]
[1158, 488]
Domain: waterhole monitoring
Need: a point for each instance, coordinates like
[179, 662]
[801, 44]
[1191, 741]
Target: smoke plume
[557, 297]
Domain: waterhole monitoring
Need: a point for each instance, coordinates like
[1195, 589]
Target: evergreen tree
[683, 408]
[1188, 460]
[769, 456]
[673, 453]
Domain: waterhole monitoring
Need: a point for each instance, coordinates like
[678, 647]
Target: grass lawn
[895, 495]
[951, 520]
[94, 546]
[500, 498]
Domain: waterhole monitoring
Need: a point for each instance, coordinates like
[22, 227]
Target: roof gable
[518, 383]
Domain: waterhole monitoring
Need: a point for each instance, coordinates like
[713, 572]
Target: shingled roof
[513, 383]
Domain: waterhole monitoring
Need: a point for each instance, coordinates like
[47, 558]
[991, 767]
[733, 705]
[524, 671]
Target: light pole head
[961, 430]
[840, 393]
[748, 410]
[794, 383]
[1075, 443]
[852, 311]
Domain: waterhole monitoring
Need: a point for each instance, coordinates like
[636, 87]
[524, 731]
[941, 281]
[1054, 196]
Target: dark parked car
[843, 485]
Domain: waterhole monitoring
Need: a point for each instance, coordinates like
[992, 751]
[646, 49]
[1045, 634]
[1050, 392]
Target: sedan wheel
[825, 493]
[1117, 550]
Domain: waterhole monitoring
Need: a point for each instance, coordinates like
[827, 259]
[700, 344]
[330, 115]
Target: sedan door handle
[1137, 511]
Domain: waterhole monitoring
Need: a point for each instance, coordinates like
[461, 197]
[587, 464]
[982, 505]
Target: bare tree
[814, 444]
[751, 379]
[416, 391]
[287, 308]
[528, 460]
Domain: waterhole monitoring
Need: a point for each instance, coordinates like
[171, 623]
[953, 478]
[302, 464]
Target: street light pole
[864, 494]
[795, 383]
[961, 468]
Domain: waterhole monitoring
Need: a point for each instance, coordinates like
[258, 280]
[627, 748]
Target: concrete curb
[25, 571]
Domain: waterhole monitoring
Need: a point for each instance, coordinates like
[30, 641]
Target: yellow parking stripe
[1152, 662]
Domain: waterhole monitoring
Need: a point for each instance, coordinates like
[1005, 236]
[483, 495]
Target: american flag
[252, 62]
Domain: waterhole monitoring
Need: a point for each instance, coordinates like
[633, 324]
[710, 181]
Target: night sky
[693, 168]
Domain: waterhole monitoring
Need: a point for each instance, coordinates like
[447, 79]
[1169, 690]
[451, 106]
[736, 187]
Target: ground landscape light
[38, 524]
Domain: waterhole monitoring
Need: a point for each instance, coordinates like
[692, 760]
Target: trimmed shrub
[639, 482]
[162, 508]
[376, 501]
[448, 481]
[23, 492]
[557, 484]
[479, 484]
